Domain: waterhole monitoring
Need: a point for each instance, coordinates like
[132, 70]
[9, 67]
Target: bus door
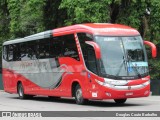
[91, 65]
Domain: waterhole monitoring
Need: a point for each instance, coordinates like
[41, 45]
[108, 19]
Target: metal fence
[155, 87]
[1, 84]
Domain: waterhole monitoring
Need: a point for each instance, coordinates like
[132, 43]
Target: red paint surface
[153, 47]
[98, 29]
[80, 73]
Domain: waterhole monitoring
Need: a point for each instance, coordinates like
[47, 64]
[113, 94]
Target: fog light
[108, 94]
[146, 92]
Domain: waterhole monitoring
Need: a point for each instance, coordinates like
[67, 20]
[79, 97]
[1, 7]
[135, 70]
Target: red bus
[87, 61]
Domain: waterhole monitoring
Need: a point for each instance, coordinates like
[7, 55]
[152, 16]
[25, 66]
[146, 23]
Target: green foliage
[154, 36]
[14, 7]
[131, 13]
[4, 21]
[53, 16]
[31, 16]
[83, 11]
[19, 18]
[155, 20]
[26, 17]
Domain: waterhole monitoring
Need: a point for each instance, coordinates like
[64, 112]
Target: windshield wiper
[134, 67]
[121, 66]
[126, 61]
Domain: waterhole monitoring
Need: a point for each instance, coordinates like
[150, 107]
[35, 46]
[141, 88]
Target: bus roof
[93, 28]
[98, 29]
[41, 35]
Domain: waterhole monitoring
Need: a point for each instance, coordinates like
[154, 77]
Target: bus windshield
[122, 57]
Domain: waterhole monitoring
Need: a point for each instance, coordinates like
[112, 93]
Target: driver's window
[88, 51]
[91, 60]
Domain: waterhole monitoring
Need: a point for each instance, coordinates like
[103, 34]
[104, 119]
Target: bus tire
[120, 101]
[21, 91]
[79, 97]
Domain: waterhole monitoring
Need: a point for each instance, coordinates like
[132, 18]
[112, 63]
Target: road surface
[11, 102]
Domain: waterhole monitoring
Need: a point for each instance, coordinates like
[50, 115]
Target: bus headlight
[99, 82]
[104, 84]
[146, 83]
[121, 85]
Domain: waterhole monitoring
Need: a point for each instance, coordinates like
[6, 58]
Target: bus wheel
[120, 101]
[21, 92]
[78, 96]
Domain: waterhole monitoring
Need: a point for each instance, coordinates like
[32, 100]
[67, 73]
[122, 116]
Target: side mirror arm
[153, 48]
[96, 48]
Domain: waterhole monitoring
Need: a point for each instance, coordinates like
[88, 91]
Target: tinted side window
[65, 46]
[62, 46]
[32, 49]
[44, 48]
[10, 52]
[16, 52]
[91, 59]
[82, 38]
[88, 52]
[29, 50]
[57, 46]
[70, 47]
[24, 51]
[5, 51]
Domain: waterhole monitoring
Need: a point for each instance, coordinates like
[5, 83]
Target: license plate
[130, 93]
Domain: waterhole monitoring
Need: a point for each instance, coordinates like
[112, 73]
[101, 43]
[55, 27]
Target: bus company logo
[129, 87]
[6, 114]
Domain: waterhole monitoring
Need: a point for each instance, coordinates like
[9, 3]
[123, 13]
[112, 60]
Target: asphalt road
[11, 102]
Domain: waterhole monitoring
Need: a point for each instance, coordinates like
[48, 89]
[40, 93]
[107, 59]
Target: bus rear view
[103, 61]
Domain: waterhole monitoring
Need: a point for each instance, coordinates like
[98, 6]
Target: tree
[4, 23]
[83, 11]
[26, 17]
[19, 18]
[53, 16]
[4, 20]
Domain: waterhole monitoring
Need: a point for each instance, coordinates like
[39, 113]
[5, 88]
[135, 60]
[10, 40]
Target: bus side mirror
[96, 48]
[153, 48]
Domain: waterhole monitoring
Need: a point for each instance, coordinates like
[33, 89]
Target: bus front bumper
[102, 92]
